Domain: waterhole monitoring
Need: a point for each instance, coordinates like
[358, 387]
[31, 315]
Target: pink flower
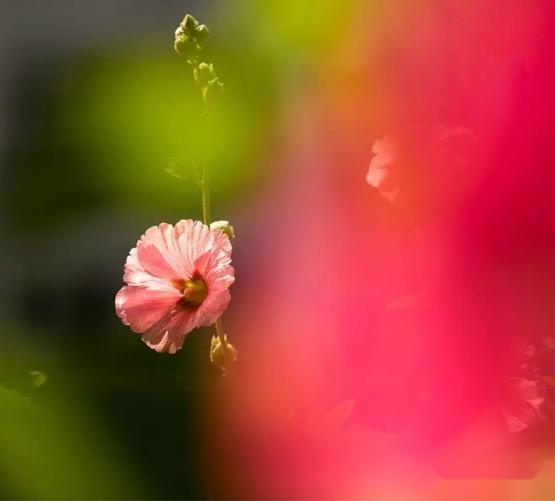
[177, 279]
[381, 171]
[423, 164]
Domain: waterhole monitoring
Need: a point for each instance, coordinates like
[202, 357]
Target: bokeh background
[378, 340]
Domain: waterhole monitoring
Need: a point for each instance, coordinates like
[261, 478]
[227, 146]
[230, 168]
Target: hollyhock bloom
[177, 279]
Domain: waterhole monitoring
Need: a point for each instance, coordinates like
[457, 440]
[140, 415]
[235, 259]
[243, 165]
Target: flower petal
[213, 307]
[141, 307]
[163, 238]
[168, 335]
[154, 263]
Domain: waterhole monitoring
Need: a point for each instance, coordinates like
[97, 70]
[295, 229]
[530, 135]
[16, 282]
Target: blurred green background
[94, 108]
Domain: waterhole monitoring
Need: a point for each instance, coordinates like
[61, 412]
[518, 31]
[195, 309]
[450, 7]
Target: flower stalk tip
[190, 37]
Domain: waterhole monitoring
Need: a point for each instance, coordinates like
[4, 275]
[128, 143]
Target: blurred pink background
[387, 346]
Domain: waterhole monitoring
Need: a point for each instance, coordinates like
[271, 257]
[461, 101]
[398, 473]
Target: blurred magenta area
[388, 168]
[389, 347]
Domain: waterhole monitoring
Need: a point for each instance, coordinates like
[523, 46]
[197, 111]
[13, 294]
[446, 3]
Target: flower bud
[190, 36]
[204, 73]
[222, 353]
[224, 227]
[184, 45]
[201, 34]
[212, 90]
[189, 25]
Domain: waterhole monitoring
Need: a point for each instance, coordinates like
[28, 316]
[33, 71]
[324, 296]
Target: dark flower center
[194, 291]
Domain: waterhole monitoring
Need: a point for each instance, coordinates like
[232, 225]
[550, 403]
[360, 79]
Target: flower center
[194, 291]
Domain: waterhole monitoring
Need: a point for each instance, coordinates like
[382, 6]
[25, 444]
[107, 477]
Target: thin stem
[220, 330]
[205, 191]
[206, 213]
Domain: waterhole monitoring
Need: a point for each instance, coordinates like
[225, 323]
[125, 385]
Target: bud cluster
[190, 37]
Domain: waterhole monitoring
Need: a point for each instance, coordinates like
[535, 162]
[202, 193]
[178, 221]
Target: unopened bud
[224, 227]
[184, 46]
[201, 34]
[222, 353]
[189, 37]
[189, 25]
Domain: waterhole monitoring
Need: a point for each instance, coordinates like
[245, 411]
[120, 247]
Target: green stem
[205, 190]
[220, 330]
[207, 218]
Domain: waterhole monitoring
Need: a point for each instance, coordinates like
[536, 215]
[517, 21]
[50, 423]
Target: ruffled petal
[223, 241]
[193, 239]
[168, 335]
[163, 238]
[140, 307]
[213, 307]
[154, 262]
[135, 274]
